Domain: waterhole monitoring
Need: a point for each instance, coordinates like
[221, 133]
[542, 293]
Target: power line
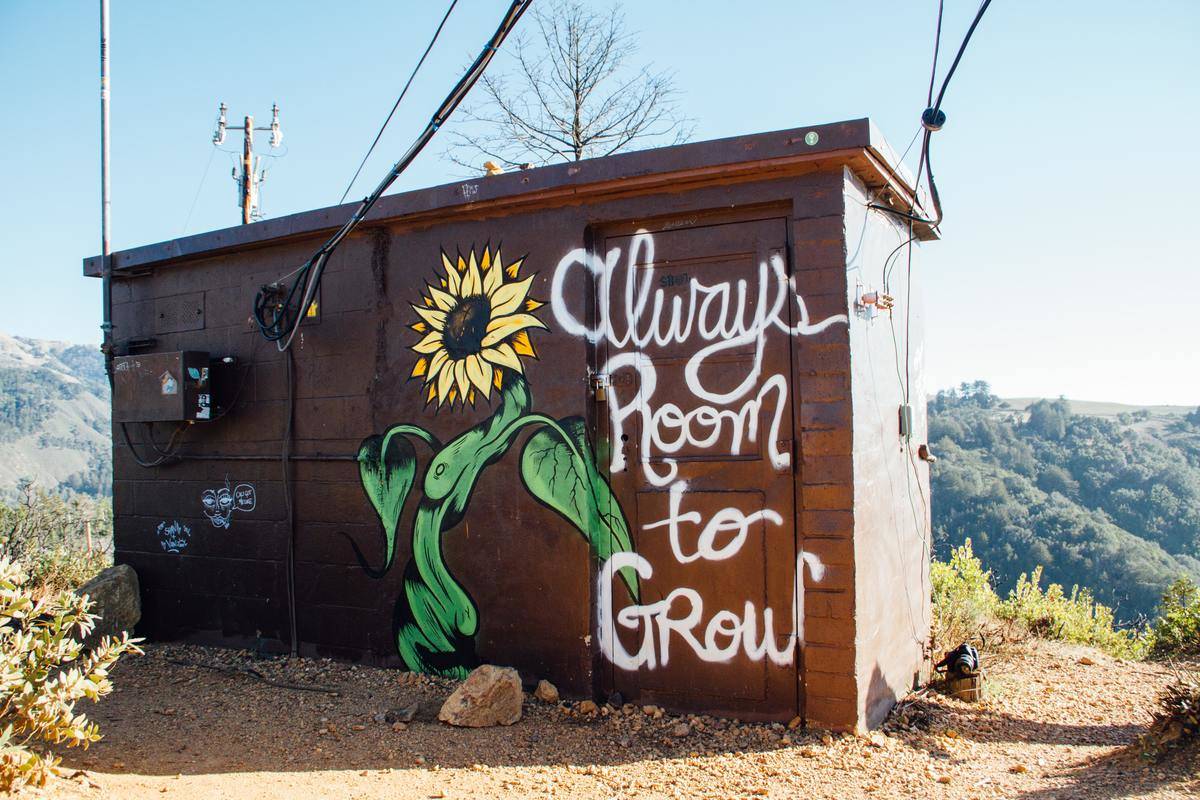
[275, 311]
[403, 92]
[199, 189]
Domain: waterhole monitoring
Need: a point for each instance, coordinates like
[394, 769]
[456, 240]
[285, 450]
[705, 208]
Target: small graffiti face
[475, 328]
[174, 536]
[218, 506]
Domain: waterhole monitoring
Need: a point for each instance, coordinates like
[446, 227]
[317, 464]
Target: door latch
[600, 384]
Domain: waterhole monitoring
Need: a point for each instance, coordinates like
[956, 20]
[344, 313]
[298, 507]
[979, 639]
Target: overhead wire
[203, 177]
[396, 105]
[280, 321]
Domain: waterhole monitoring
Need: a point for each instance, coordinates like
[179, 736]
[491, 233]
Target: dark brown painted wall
[531, 577]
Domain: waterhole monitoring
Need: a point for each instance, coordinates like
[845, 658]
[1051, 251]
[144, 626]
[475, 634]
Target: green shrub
[44, 672]
[964, 603]
[1176, 632]
[1078, 618]
[49, 535]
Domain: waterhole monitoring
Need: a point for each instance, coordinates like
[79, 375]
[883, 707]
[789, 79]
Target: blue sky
[1067, 167]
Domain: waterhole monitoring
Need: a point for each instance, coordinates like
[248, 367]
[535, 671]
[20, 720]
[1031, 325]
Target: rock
[794, 723]
[1085, 661]
[616, 700]
[116, 598]
[681, 729]
[546, 691]
[489, 696]
[587, 707]
[407, 714]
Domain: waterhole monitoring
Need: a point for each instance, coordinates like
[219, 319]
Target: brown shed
[645, 424]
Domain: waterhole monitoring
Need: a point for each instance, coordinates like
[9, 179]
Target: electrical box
[162, 387]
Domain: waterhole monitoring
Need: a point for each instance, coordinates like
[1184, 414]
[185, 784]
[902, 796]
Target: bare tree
[569, 94]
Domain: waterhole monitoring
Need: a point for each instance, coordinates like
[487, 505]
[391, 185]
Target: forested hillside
[54, 417]
[1110, 503]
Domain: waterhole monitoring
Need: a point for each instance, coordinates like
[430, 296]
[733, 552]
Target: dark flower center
[466, 325]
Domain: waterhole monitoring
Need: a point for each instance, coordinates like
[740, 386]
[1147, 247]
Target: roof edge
[642, 170]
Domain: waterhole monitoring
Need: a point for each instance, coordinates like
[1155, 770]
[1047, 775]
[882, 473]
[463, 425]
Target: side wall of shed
[891, 484]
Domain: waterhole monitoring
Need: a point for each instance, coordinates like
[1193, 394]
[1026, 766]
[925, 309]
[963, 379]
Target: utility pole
[250, 176]
[106, 326]
[248, 171]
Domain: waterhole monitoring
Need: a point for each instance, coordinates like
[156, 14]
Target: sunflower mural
[475, 323]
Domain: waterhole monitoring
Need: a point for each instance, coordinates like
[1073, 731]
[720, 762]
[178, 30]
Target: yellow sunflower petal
[432, 393]
[503, 327]
[453, 394]
[437, 364]
[513, 268]
[472, 284]
[523, 345]
[533, 305]
[419, 327]
[471, 397]
[435, 318]
[430, 344]
[493, 276]
[485, 260]
[452, 279]
[460, 377]
[441, 299]
[419, 368]
[509, 297]
[498, 380]
[479, 372]
[503, 356]
[445, 384]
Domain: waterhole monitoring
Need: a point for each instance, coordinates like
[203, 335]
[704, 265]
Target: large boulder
[116, 598]
[489, 696]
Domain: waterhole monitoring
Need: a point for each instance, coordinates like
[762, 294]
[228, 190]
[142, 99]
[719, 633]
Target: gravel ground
[1051, 727]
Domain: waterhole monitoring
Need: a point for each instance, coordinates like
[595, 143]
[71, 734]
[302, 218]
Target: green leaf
[387, 465]
[453, 472]
[559, 469]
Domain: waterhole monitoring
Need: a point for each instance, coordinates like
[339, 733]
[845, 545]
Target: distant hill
[1101, 408]
[1102, 495]
[54, 417]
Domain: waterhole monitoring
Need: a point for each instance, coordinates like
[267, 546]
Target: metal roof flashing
[854, 144]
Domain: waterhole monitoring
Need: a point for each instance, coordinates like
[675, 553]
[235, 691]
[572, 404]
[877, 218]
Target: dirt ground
[1051, 727]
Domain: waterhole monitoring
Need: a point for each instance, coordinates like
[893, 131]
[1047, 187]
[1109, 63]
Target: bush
[1078, 618]
[44, 672]
[49, 535]
[964, 603]
[1177, 720]
[1176, 632]
[967, 609]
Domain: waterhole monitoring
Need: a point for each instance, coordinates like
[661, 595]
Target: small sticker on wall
[173, 536]
[169, 384]
[203, 406]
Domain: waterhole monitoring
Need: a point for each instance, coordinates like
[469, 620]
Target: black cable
[403, 92]
[958, 56]
[286, 462]
[279, 322]
[163, 455]
[930, 118]
[937, 46]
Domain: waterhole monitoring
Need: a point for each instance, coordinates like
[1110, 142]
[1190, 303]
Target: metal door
[694, 390]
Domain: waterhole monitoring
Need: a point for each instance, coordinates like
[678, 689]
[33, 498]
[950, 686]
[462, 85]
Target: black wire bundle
[279, 320]
[932, 120]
